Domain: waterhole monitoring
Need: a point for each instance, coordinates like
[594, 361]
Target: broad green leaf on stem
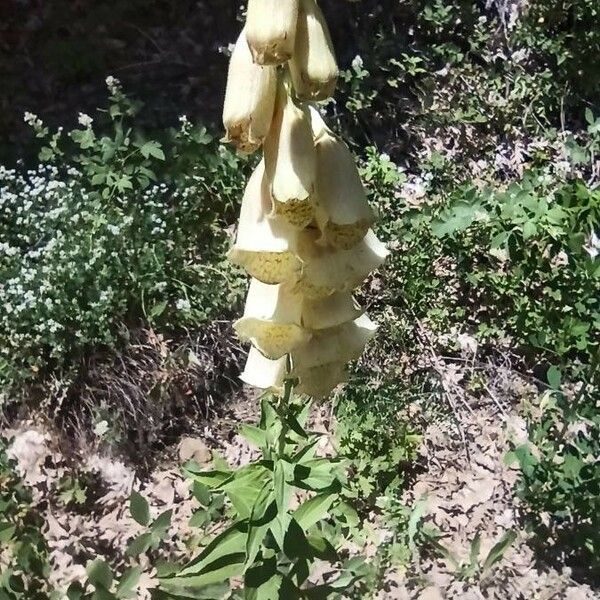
[258, 525]
[244, 487]
[312, 511]
[283, 491]
[279, 527]
[211, 479]
[295, 544]
[139, 545]
[128, 582]
[254, 435]
[498, 550]
[317, 474]
[138, 506]
[416, 515]
[305, 453]
[231, 542]
[262, 582]
[99, 574]
[321, 548]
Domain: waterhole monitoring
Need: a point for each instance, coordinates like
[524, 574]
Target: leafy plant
[24, 549]
[473, 567]
[270, 544]
[560, 474]
[112, 229]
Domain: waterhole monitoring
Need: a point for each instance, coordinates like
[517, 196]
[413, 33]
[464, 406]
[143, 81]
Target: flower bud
[313, 66]
[271, 320]
[327, 270]
[290, 162]
[271, 30]
[343, 214]
[249, 99]
[265, 246]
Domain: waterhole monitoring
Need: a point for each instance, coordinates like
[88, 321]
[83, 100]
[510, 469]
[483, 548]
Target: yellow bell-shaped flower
[313, 66]
[272, 320]
[290, 161]
[265, 246]
[343, 213]
[326, 269]
[249, 99]
[271, 30]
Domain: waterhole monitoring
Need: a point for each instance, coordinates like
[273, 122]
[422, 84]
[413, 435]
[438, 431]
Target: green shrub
[374, 434]
[560, 474]
[112, 228]
[23, 549]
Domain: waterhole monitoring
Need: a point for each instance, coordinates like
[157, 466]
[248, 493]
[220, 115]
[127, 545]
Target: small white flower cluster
[66, 271]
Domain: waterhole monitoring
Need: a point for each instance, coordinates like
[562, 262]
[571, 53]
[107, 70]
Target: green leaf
[128, 582]
[295, 543]
[161, 524]
[283, 491]
[475, 549]
[139, 509]
[312, 511]
[529, 229]
[152, 148]
[278, 528]
[262, 582]
[229, 545]
[99, 574]
[211, 479]
[140, 544]
[263, 512]
[255, 435]
[6, 532]
[554, 377]
[498, 550]
[201, 493]
[416, 515]
[158, 309]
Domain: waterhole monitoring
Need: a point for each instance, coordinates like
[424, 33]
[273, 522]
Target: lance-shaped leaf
[249, 99]
[265, 246]
[272, 319]
[313, 66]
[271, 30]
[343, 214]
[327, 269]
[290, 161]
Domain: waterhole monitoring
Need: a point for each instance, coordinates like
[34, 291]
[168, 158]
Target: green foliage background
[477, 129]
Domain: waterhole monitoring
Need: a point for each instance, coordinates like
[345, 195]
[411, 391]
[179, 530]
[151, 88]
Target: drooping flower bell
[313, 66]
[305, 224]
[271, 30]
[249, 99]
[291, 161]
